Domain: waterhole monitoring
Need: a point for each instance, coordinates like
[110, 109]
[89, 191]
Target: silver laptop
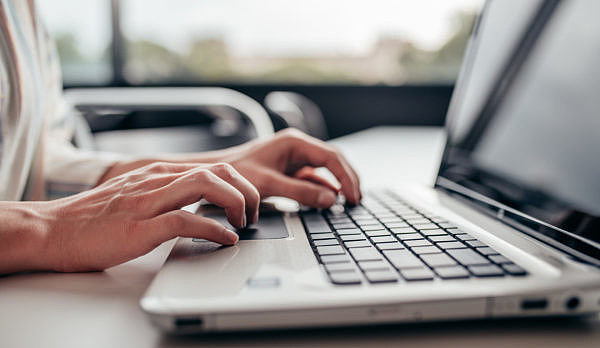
[511, 227]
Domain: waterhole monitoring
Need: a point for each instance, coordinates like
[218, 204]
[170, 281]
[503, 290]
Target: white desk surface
[101, 309]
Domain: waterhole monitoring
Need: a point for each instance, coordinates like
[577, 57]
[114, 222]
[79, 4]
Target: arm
[123, 218]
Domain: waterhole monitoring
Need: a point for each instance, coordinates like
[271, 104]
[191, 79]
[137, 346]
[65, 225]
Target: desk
[101, 309]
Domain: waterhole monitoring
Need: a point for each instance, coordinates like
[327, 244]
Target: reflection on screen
[539, 153]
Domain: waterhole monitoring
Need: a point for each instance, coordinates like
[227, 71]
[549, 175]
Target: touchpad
[270, 225]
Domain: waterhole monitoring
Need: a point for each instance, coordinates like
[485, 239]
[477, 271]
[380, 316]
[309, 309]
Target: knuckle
[291, 133]
[204, 176]
[177, 220]
[158, 167]
[224, 170]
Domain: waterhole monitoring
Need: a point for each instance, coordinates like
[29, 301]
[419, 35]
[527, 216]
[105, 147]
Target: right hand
[133, 213]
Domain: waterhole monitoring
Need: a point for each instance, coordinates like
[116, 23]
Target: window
[350, 42]
[82, 32]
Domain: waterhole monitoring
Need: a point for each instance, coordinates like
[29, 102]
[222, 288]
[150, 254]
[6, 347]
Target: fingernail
[255, 218]
[326, 199]
[232, 237]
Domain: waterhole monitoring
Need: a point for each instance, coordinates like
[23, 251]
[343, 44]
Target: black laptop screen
[536, 147]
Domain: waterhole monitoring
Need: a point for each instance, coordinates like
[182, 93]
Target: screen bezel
[576, 246]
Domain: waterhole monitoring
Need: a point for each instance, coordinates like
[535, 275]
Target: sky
[262, 27]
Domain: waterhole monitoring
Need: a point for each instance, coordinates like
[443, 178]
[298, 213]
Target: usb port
[188, 322]
[538, 304]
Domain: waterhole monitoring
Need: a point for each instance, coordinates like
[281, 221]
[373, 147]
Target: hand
[284, 166]
[132, 214]
[281, 166]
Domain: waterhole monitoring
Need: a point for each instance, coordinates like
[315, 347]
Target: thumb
[305, 192]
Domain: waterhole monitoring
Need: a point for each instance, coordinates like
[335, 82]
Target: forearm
[197, 157]
[22, 237]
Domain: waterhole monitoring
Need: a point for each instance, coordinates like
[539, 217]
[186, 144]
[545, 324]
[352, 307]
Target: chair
[230, 109]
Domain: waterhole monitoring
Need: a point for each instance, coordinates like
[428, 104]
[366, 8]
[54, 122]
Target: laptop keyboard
[385, 240]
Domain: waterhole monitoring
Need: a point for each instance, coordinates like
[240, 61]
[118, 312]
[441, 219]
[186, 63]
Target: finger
[310, 174]
[179, 223]
[318, 153]
[195, 185]
[304, 192]
[251, 195]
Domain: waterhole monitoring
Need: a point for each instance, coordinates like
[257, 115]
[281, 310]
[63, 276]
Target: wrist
[23, 237]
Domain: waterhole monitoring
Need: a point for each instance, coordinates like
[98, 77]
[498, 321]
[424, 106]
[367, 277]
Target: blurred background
[364, 63]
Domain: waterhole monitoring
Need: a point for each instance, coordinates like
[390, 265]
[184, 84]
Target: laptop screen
[526, 141]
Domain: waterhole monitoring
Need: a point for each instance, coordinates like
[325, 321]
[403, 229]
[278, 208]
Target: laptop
[510, 228]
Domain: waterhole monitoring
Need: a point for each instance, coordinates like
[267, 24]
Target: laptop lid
[524, 122]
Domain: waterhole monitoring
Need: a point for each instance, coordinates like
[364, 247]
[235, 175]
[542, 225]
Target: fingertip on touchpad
[270, 225]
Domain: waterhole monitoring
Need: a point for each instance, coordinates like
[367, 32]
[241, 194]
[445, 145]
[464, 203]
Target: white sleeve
[69, 170]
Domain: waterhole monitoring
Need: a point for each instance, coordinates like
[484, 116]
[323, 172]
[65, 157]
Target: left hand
[280, 166]
[284, 166]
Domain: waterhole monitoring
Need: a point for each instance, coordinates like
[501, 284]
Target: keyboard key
[340, 267]
[342, 226]
[358, 218]
[499, 259]
[391, 219]
[513, 269]
[381, 276]
[435, 232]
[402, 259]
[418, 221]
[383, 239]
[409, 236]
[454, 231]
[414, 274]
[352, 237]
[349, 231]
[487, 251]
[451, 272]
[389, 246]
[395, 224]
[467, 257]
[445, 224]
[317, 236]
[324, 242]
[428, 226]
[357, 210]
[487, 271]
[475, 243]
[341, 220]
[330, 250]
[384, 215]
[464, 237]
[426, 250]
[437, 260]
[315, 223]
[377, 233]
[403, 230]
[335, 258]
[411, 215]
[417, 242]
[345, 278]
[373, 227]
[445, 238]
[451, 245]
[374, 266]
[358, 244]
[365, 254]
[367, 222]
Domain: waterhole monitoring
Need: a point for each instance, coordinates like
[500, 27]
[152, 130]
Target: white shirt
[37, 160]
